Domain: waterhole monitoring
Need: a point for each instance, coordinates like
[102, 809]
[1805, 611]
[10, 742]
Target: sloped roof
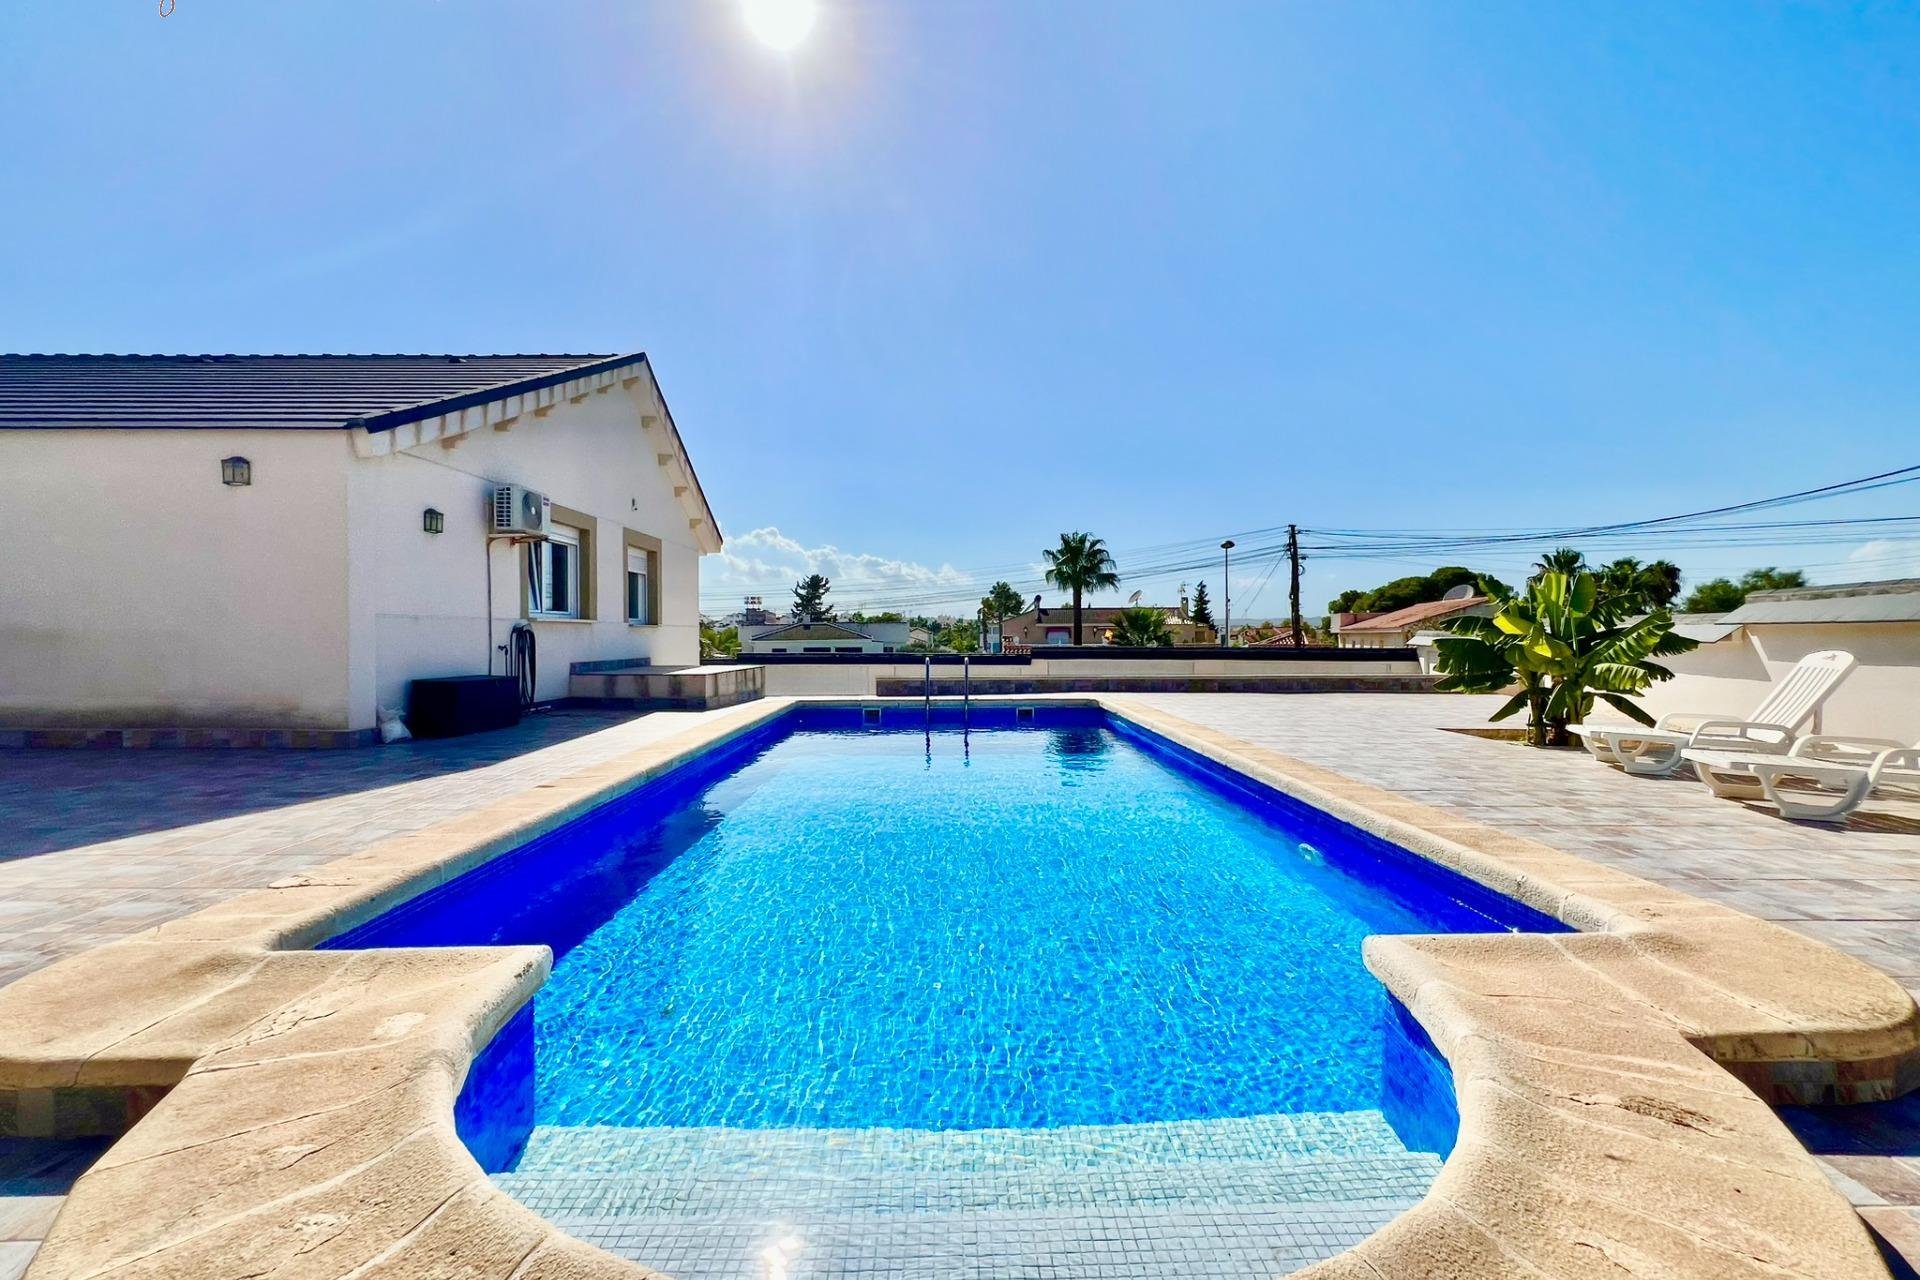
[373, 393]
[813, 631]
[1891, 600]
[1706, 628]
[1415, 615]
[268, 392]
[1054, 615]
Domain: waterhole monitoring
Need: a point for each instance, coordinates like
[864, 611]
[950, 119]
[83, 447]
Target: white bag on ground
[391, 729]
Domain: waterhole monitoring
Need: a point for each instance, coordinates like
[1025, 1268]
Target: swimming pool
[888, 975]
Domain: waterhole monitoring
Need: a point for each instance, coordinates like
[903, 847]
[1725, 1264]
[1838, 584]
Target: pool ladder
[966, 688]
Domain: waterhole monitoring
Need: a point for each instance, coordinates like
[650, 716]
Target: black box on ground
[448, 706]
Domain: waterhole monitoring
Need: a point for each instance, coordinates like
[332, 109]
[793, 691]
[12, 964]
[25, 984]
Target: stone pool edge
[1594, 1126]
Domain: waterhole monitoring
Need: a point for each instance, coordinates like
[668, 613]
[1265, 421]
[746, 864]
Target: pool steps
[1225, 1198]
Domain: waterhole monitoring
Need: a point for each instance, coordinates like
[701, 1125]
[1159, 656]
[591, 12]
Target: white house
[825, 637]
[1396, 630]
[1743, 652]
[284, 542]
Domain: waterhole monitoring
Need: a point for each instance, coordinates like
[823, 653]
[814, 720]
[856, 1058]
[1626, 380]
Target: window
[639, 585]
[553, 575]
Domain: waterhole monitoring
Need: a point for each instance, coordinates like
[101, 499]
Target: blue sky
[953, 278]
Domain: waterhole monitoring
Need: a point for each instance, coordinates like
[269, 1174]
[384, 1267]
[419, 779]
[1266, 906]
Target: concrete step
[1240, 1197]
[1241, 1242]
[650, 688]
[605, 1149]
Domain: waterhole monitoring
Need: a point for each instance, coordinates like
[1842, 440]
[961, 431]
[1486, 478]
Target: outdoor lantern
[433, 521]
[236, 471]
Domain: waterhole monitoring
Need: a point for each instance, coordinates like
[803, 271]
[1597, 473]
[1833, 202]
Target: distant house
[1397, 629]
[1743, 652]
[825, 637]
[280, 544]
[1040, 627]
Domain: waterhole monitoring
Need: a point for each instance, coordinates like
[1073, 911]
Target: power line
[1691, 530]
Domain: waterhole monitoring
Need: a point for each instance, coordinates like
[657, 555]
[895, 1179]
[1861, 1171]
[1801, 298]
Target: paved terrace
[97, 845]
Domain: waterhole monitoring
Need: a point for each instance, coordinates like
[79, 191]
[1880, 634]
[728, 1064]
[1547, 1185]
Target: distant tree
[719, 642]
[1567, 560]
[1002, 602]
[1644, 586]
[1202, 611]
[1140, 629]
[810, 599]
[1080, 564]
[1723, 595]
[1417, 589]
[858, 616]
[1716, 595]
[1772, 579]
[960, 637]
[1662, 582]
[1261, 633]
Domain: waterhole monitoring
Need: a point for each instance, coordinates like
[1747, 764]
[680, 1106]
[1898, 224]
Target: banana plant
[1565, 647]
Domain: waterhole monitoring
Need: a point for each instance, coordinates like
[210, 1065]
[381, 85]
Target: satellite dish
[1465, 591]
[1134, 599]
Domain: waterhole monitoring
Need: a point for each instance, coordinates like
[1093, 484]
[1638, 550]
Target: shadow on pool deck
[54, 800]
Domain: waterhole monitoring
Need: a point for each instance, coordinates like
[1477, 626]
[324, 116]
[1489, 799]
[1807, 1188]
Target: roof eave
[500, 407]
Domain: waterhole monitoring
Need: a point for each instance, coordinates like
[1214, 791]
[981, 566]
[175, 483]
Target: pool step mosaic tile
[1232, 1198]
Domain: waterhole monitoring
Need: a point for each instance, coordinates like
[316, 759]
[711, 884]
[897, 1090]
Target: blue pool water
[910, 999]
[834, 925]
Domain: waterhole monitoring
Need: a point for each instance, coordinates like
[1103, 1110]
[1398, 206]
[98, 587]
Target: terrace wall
[1091, 668]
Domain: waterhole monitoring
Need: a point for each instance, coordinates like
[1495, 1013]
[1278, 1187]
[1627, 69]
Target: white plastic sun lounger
[1771, 727]
[1853, 767]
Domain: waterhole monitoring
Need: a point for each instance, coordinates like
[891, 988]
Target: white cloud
[1884, 558]
[766, 562]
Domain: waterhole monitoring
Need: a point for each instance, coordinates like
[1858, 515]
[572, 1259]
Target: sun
[779, 24]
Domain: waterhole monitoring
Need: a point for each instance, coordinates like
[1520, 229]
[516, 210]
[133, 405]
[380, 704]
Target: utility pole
[1226, 593]
[1293, 554]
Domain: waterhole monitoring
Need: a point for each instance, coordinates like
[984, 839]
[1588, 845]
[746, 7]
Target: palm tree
[1567, 560]
[1661, 580]
[1080, 564]
[1140, 629]
[1640, 586]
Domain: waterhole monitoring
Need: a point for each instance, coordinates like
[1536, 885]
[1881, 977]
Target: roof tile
[257, 391]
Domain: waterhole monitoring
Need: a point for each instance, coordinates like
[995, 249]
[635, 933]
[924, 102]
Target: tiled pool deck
[94, 846]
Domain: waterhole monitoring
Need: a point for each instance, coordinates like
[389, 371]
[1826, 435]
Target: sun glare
[779, 24]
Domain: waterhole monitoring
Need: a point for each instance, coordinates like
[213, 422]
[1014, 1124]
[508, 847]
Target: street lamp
[1226, 592]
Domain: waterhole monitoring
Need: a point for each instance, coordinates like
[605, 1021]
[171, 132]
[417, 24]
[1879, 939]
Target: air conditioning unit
[519, 512]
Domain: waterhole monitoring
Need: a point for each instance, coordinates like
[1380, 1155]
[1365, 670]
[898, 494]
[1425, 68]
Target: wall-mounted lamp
[236, 471]
[433, 521]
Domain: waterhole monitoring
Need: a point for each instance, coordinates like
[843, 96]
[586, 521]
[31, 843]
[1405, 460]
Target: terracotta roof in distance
[1416, 614]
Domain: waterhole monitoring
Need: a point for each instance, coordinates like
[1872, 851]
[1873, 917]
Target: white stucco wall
[140, 591]
[425, 594]
[1880, 698]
